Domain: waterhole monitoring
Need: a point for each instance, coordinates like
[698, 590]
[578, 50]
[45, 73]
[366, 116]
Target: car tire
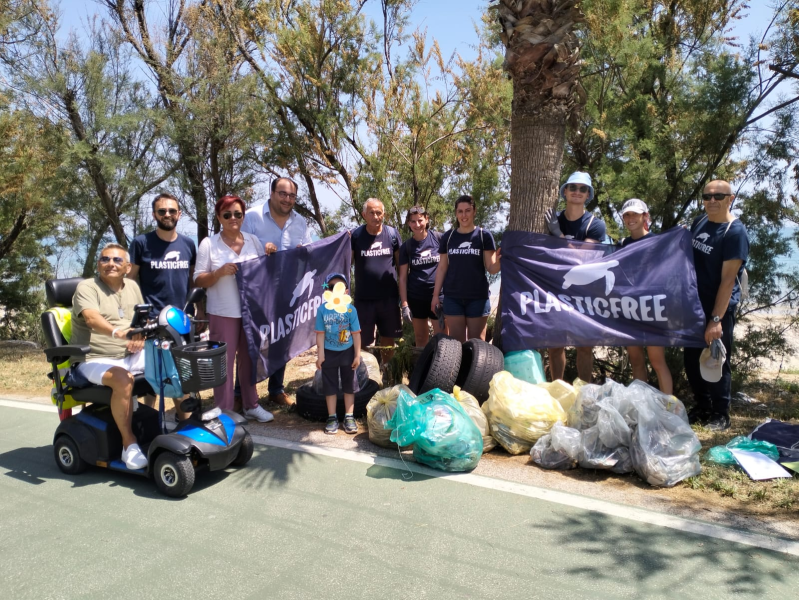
[437, 366]
[480, 361]
[312, 406]
[245, 451]
[67, 456]
[174, 474]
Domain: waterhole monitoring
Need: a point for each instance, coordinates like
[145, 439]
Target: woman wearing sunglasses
[575, 223]
[418, 259]
[217, 263]
[466, 252]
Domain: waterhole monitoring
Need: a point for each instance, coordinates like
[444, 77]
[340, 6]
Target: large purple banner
[558, 292]
[280, 295]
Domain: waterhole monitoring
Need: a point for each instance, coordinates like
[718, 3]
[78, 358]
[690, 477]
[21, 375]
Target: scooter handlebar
[141, 330]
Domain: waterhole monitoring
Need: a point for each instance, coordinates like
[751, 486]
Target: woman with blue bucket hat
[575, 223]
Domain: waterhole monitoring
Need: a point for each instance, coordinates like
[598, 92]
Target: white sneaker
[133, 457]
[259, 414]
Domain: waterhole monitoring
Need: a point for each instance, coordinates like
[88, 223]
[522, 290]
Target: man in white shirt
[279, 227]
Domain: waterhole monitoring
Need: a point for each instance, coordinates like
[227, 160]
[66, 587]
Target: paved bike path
[299, 525]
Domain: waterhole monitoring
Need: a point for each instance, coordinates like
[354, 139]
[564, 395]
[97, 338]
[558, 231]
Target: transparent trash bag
[613, 429]
[721, 455]
[371, 369]
[559, 449]
[669, 403]
[443, 435]
[664, 448]
[472, 408]
[378, 412]
[596, 455]
[520, 412]
[585, 410]
[525, 365]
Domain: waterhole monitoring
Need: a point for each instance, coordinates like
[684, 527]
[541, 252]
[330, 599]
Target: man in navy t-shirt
[375, 249]
[721, 247]
[163, 261]
[575, 223]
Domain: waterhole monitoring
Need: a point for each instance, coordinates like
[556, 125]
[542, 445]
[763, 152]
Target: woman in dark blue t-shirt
[465, 254]
[418, 260]
[635, 215]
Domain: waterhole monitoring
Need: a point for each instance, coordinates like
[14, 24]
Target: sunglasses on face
[236, 214]
[118, 260]
[716, 197]
[162, 212]
[285, 195]
[573, 187]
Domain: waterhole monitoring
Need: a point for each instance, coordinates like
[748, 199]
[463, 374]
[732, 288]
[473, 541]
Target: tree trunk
[537, 144]
[91, 252]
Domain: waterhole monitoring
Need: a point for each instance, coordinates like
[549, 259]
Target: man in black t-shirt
[375, 249]
[575, 223]
[721, 247]
[162, 261]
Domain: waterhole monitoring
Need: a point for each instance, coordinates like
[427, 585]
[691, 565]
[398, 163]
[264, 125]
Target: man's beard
[167, 226]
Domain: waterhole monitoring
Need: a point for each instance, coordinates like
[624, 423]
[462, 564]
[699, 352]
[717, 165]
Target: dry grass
[23, 371]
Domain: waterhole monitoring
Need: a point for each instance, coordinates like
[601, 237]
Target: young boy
[338, 341]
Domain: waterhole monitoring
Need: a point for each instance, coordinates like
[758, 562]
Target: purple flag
[280, 295]
[558, 292]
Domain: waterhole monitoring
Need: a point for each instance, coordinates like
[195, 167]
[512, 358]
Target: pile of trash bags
[623, 429]
[443, 435]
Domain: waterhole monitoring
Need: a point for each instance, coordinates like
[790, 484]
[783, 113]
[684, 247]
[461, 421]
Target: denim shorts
[466, 307]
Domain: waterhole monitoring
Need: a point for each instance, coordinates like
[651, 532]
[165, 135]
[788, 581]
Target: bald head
[718, 186]
[717, 199]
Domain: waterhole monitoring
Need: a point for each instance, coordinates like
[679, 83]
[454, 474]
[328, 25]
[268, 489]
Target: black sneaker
[350, 426]
[698, 416]
[718, 422]
[331, 427]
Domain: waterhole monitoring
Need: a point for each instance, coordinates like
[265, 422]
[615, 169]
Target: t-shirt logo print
[306, 283]
[376, 245]
[702, 237]
[174, 255]
[465, 245]
[585, 274]
[425, 253]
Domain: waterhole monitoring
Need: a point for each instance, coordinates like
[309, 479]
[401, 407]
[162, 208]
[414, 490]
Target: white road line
[621, 511]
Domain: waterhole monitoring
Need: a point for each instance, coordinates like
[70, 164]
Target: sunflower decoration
[338, 299]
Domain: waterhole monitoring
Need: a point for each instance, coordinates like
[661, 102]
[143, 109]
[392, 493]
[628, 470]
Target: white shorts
[94, 369]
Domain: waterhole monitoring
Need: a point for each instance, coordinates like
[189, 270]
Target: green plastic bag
[526, 365]
[442, 433]
[721, 455]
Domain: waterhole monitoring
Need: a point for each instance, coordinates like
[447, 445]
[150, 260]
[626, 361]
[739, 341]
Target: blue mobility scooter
[176, 364]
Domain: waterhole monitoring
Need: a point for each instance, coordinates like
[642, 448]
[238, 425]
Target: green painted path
[298, 525]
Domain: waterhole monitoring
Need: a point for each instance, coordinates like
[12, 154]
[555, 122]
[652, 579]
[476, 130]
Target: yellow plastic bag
[63, 317]
[472, 408]
[520, 412]
[373, 368]
[561, 391]
[379, 410]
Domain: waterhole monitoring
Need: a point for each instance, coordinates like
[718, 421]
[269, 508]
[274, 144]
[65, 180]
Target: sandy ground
[776, 364]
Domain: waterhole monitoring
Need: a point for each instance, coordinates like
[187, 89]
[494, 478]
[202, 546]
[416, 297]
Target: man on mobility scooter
[102, 310]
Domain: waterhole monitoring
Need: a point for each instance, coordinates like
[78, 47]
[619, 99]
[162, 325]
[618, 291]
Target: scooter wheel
[245, 452]
[67, 456]
[174, 474]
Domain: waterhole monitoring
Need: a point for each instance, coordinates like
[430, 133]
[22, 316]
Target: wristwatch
[716, 319]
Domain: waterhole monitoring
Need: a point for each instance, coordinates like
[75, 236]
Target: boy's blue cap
[580, 178]
[332, 276]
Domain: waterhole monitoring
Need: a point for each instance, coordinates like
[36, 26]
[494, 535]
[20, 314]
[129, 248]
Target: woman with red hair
[217, 263]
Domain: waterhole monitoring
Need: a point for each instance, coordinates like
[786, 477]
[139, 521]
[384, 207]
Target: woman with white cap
[635, 215]
[575, 223]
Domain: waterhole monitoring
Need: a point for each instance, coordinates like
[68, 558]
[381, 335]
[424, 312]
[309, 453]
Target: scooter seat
[101, 394]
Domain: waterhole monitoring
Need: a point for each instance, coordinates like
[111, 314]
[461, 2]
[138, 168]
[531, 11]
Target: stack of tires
[445, 363]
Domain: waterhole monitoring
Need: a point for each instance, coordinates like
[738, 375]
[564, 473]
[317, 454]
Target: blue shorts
[465, 307]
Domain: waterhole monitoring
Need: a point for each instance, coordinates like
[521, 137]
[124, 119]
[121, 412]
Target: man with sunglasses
[102, 310]
[279, 227]
[575, 223]
[721, 247]
[162, 261]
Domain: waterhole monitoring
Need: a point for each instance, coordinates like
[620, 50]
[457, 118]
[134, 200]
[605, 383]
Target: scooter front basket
[202, 365]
